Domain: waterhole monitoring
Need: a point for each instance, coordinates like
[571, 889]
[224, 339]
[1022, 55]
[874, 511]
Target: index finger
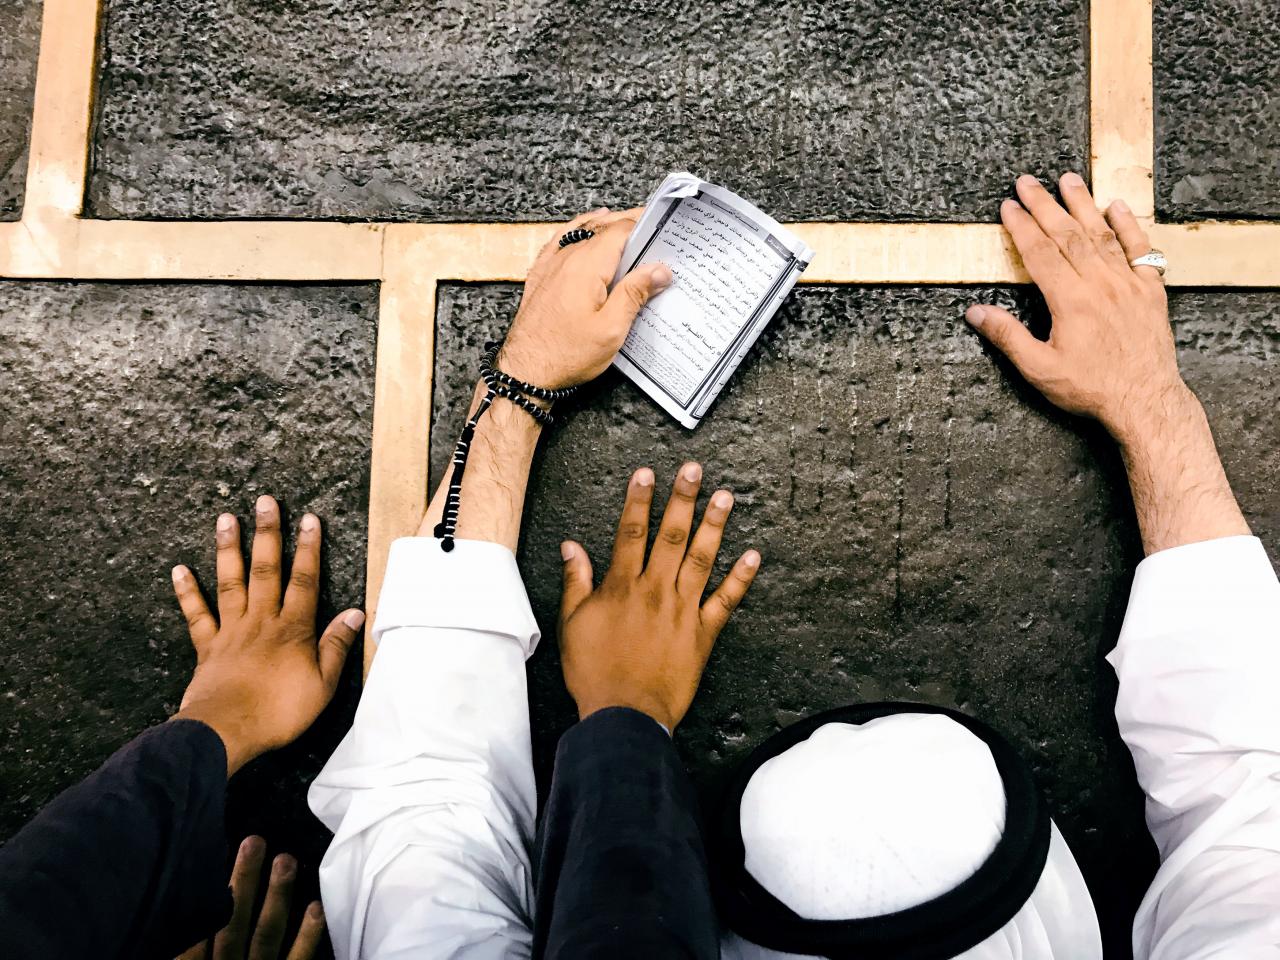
[1058, 225]
[611, 236]
[553, 242]
[633, 527]
[230, 569]
[1040, 255]
[264, 559]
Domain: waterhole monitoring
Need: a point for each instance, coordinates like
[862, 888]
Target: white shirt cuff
[1195, 586]
[477, 586]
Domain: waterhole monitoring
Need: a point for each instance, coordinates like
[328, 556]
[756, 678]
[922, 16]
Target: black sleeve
[131, 862]
[622, 871]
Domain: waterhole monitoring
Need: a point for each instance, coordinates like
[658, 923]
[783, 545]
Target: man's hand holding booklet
[732, 264]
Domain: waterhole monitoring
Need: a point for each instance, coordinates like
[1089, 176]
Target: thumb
[335, 644]
[1010, 336]
[577, 578]
[635, 290]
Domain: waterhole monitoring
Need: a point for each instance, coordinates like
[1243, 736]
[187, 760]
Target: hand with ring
[570, 326]
[1110, 353]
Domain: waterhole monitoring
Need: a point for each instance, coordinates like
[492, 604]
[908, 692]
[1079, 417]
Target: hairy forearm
[1180, 491]
[497, 474]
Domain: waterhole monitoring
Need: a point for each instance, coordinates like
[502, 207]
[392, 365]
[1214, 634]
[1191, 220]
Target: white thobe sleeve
[1199, 707]
[431, 793]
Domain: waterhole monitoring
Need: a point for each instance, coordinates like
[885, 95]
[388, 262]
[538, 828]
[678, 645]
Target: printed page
[732, 266]
[724, 267]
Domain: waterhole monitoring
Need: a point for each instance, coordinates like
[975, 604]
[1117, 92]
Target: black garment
[129, 863]
[622, 872]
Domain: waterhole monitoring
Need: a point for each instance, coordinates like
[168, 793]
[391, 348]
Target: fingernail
[644, 477]
[660, 277]
[225, 523]
[975, 315]
[751, 559]
[566, 551]
[354, 619]
[315, 911]
[1072, 179]
[179, 572]
[1120, 205]
[310, 523]
[284, 867]
[1027, 179]
[692, 472]
[264, 504]
[252, 844]
[723, 500]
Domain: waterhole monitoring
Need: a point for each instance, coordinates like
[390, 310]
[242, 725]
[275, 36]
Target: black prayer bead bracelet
[498, 384]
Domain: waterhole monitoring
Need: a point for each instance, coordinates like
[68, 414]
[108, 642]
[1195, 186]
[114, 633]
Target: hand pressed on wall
[243, 938]
[261, 676]
[641, 639]
[1110, 352]
[570, 326]
[1110, 355]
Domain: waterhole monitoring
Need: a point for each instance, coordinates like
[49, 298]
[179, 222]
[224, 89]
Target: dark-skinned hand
[261, 676]
[243, 938]
[642, 638]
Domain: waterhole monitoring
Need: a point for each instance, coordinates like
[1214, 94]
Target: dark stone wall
[19, 46]
[1217, 90]
[931, 530]
[130, 417]
[461, 110]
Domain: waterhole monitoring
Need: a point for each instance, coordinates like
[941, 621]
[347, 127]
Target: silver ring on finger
[576, 235]
[1152, 258]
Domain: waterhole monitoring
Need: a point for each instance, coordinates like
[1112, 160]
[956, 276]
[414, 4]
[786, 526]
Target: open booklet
[732, 264]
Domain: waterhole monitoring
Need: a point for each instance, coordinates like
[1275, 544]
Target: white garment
[1199, 707]
[431, 793]
[849, 823]
[1057, 921]
[861, 820]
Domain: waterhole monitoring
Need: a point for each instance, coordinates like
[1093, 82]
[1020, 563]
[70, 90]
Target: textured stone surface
[19, 43]
[513, 111]
[1217, 87]
[931, 530]
[131, 416]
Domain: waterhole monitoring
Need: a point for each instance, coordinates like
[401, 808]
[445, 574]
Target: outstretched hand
[642, 638]
[244, 939]
[1110, 355]
[261, 677]
[570, 326]
[1110, 352]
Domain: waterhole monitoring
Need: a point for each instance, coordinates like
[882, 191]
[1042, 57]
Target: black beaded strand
[498, 384]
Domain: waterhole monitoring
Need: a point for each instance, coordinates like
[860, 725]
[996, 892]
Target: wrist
[1154, 419]
[230, 726]
[522, 364]
[651, 709]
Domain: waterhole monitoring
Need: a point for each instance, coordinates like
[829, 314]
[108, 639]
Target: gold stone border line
[1121, 105]
[1203, 254]
[410, 260]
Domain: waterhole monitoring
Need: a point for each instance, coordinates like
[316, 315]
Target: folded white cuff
[1199, 588]
[476, 586]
